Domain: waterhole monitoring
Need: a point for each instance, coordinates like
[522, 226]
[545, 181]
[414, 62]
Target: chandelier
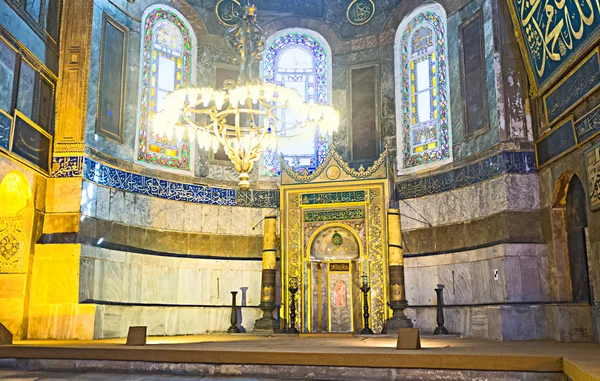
[246, 117]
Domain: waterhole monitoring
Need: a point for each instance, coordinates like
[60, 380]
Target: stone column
[396, 270]
[267, 322]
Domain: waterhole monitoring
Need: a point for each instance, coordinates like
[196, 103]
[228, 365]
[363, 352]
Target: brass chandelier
[244, 117]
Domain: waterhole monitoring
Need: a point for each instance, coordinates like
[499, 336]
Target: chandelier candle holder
[245, 118]
[365, 288]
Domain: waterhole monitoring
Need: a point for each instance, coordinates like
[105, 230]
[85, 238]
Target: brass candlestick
[293, 288]
[365, 288]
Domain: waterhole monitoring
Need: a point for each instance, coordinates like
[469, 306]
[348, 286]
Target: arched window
[167, 63]
[422, 97]
[298, 59]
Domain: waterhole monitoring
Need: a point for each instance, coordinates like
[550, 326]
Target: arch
[15, 193]
[576, 223]
[559, 197]
[168, 43]
[314, 83]
[423, 129]
[329, 226]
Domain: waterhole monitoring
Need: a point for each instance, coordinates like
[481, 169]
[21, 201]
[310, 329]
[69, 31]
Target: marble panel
[426, 319]
[518, 323]
[224, 217]
[171, 321]
[169, 285]
[479, 322]
[480, 279]
[457, 279]
[175, 215]
[544, 277]
[187, 288]
[426, 283]
[254, 226]
[130, 317]
[530, 279]
[497, 286]
[154, 319]
[134, 284]
[150, 283]
[514, 278]
[494, 320]
[103, 203]
[113, 282]
[141, 211]
[158, 213]
[522, 192]
[88, 199]
[210, 219]
[193, 217]
[117, 205]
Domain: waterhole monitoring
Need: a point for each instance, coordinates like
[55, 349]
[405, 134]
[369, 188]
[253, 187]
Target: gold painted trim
[26, 54]
[364, 22]
[596, 51]
[582, 117]
[556, 127]
[98, 127]
[11, 132]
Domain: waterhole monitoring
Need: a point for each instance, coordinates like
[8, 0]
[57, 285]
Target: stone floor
[220, 355]
[23, 375]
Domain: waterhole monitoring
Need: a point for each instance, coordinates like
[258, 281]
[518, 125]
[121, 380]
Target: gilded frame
[11, 133]
[218, 16]
[594, 109]
[486, 123]
[360, 23]
[581, 51]
[566, 152]
[596, 51]
[349, 123]
[23, 160]
[587, 176]
[98, 128]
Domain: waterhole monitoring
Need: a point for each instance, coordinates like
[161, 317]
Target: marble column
[396, 270]
[267, 322]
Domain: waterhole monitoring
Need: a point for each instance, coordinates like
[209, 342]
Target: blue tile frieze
[505, 162]
[132, 182]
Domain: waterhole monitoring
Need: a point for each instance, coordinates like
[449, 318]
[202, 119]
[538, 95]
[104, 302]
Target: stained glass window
[297, 60]
[424, 134]
[167, 61]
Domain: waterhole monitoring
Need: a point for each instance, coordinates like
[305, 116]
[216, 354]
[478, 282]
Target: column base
[398, 319]
[267, 323]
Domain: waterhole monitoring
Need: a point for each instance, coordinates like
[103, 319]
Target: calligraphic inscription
[11, 244]
[592, 162]
[334, 215]
[5, 126]
[554, 31]
[333, 197]
[556, 143]
[228, 12]
[339, 267]
[360, 12]
[67, 166]
[31, 142]
[571, 90]
[111, 89]
[588, 126]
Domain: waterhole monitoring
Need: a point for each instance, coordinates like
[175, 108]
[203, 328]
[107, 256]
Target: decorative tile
[131, 182]
[505, 162]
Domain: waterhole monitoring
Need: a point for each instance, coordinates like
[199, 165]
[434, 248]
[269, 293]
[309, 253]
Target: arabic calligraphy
[553, 30]
[334, 215]
[572, 89]
[360, 12]
[555, 144]
[67, 166]
[333, 197]
[592, 158]
[228, 12]
[588, 126]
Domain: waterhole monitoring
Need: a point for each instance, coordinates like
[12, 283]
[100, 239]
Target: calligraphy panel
[111, 86]
[333, 197]
[588, 125]
[5, 126]
[31, 142]
[592, 163]
[584, 79]
[554, 33]
[558, 142]
[334, 215]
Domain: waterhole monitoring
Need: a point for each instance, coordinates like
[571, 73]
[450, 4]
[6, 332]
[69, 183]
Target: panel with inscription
[557, 143]
[588, 125]
[111, 87]
[584, 79]
[31, 142]
[5, 126]
[554, 33]
[592, 163]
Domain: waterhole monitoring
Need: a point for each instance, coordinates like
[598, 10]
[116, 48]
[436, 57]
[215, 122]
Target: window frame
[440, 12]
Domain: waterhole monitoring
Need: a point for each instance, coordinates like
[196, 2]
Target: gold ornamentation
[333, 173]
[328, 162]
[360, 12]
[377, 266]
[11, 244]
[592, 159]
